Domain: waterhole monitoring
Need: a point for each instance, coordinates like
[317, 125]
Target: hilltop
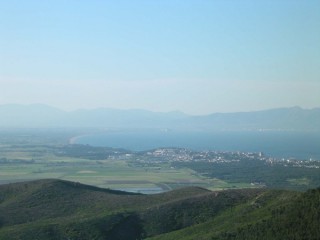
[56, 209]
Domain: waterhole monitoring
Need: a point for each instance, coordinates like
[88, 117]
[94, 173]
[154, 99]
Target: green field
[115, 174]
[29, 156]
[34, 154]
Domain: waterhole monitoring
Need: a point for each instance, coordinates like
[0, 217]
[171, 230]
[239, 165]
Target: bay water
[280, 144]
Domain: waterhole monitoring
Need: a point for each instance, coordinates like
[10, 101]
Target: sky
[194, 56]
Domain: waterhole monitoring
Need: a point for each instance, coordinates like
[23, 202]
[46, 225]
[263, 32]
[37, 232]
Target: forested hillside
[55, 209]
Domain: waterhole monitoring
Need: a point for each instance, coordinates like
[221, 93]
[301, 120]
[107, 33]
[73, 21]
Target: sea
[279, 144]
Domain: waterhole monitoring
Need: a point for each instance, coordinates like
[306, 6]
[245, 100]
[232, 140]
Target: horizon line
[153, 111]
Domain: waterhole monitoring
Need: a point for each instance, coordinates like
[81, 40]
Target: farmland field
[33, 155]
[39, 154]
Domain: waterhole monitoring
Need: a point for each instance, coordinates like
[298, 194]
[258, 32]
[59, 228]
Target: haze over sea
[279, 144]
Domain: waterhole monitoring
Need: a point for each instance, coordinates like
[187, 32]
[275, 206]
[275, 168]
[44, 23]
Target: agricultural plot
[25, 158]
[106, 174]
[39, 162]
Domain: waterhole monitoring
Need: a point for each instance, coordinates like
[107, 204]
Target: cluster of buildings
[186, 155]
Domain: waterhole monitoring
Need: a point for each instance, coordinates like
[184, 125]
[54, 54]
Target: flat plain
[32, 155]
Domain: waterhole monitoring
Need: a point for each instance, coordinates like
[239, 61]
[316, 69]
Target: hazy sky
[195, 56]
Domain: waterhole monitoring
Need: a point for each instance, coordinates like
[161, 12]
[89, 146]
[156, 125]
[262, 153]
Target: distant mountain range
[42, 116]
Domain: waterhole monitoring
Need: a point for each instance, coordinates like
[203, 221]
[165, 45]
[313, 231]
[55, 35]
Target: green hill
[55, 209]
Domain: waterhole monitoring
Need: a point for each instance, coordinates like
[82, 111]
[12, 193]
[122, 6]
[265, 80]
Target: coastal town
[186, 155]
[183, 155]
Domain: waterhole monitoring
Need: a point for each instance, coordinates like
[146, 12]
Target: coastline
[285, 145]
[73, 140]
